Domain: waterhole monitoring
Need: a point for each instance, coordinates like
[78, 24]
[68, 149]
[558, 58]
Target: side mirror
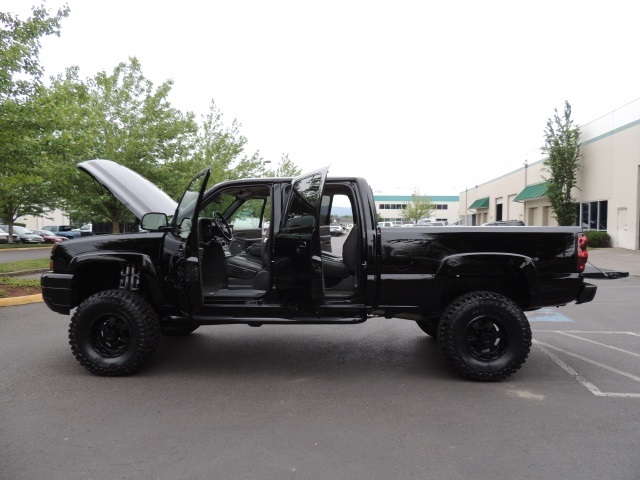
[153, 221]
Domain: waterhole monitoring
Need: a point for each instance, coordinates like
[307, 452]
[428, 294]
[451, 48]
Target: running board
[257, 321]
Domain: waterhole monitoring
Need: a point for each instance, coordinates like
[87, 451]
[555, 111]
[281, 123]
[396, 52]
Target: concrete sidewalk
[616, 259]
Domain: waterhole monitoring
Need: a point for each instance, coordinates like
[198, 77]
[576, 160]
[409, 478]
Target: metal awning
[480, 203]
[532, 191]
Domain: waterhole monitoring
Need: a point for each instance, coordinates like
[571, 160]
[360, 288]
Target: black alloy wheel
[485, 336]
[114, 333]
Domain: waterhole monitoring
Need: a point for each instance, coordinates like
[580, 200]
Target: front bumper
[57, 291]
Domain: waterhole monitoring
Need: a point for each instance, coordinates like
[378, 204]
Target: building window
[593, 215]
[440, 206]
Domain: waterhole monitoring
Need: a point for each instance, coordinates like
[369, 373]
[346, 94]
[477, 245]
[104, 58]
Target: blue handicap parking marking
[547, 315]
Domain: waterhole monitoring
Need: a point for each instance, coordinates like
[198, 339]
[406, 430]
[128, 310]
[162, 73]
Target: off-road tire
[177, 330]
[114, 333]
[484, 336]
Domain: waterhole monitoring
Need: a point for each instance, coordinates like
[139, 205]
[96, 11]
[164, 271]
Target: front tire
[484, 336]
[113, 333]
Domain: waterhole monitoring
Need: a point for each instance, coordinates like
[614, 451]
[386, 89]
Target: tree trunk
[115, 224]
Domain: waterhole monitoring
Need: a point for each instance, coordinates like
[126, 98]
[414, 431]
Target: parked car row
[25, 236]
[504, 223]
[430, 223]
[21, 235]
[63, 230]
[50, 237]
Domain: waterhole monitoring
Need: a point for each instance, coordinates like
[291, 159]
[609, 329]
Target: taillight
[53, 249]
[583, 255]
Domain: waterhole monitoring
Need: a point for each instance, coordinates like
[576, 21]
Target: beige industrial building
[608, 184]
[390, 208]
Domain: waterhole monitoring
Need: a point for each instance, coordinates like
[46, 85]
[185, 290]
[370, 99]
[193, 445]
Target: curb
[15, 301]
[24, 300]
[24, 272]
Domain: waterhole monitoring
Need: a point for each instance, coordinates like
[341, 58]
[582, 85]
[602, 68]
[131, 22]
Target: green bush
[598, 239]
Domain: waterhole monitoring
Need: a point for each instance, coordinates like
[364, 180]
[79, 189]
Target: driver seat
[247, 264]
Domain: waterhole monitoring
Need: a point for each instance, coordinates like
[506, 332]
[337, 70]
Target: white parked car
[336, 230]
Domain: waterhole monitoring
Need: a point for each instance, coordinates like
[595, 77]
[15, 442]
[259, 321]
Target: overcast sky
[435, 96]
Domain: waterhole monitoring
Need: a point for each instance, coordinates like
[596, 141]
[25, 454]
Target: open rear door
[297, 256]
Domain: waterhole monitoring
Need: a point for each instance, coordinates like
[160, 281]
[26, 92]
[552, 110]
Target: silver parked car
[4, 234]
[24, 235]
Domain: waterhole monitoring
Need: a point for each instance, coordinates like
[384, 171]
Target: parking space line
[595, 390]
[601, 344]
[544, 348]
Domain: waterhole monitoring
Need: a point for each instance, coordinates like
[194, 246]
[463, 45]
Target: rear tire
[113, 333]
[484, 336]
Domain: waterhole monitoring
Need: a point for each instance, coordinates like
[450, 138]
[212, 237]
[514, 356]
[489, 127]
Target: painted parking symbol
[547, 315]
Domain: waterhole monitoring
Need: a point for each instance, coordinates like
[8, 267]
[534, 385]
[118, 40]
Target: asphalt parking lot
[363, 401]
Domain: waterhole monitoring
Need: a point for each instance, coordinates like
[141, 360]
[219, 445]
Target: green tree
[418, 208]
[24, 189]
[285, 168]
[22, 194]
[562, 147]
[20, 68]
[121, 117]
[223, 149]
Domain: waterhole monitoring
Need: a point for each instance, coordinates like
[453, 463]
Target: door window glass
[251, 215]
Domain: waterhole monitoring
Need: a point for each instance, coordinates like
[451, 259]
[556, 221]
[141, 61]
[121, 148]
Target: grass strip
[22, 265]
[11, 287]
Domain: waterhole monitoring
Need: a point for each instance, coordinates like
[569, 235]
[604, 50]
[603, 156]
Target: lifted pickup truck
[258, 251]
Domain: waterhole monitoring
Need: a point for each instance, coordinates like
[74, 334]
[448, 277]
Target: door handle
[300, 247]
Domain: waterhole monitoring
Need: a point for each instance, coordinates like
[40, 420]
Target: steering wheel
[222, 226]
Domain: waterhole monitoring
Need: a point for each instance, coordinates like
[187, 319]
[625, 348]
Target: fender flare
[454, 266]
[142, 261]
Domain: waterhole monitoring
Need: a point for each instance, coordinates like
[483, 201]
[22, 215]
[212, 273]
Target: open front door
[183, 246]
[297, 256]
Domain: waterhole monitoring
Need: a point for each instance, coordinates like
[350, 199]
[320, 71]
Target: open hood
[137, 193]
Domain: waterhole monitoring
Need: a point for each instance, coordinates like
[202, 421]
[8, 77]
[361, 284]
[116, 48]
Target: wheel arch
[514, 276]
[94, 273]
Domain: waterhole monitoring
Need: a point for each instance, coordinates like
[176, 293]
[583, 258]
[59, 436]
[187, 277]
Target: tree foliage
[418, 208]
[562, 147]
[20, 45]
[217, 146]
[285, 168]
[119, 116]
[24, 189]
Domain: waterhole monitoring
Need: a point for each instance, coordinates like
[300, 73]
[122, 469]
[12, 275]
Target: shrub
[598, 239]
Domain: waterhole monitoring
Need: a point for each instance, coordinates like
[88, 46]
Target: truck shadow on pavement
[240, 351]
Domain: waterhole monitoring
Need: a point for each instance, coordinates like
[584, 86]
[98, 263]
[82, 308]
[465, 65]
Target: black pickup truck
[259, 251]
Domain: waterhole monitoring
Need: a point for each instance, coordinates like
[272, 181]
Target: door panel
[297, 246]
